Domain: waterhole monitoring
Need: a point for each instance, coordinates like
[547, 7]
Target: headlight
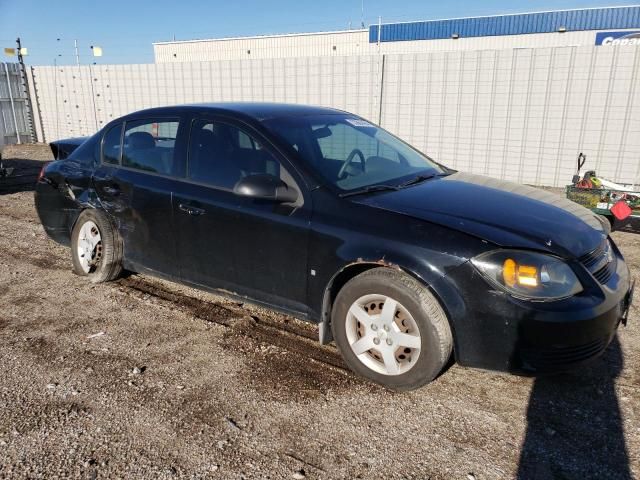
[528, 275]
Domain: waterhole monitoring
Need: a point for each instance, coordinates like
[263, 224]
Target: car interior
[329, 147]
[144, 151]
[221, 154]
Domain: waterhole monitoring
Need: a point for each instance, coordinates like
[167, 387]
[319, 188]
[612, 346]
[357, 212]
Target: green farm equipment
[619, 202]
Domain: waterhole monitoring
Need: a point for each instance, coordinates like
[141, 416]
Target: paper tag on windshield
[356, 122]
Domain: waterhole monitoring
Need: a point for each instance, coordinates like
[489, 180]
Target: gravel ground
[142, 378]
[24, 163]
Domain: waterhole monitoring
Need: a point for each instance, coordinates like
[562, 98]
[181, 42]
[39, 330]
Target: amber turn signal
[513, 273]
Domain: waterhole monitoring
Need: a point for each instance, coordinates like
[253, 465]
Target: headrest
[206, 137]
[140, 140]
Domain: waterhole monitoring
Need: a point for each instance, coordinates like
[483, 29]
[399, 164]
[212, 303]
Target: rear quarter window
[87, 154]
[111, 147]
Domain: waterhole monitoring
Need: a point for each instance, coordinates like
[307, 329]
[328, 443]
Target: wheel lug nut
[386, 328]
[389, 341]
[376, 340]
[374, 327]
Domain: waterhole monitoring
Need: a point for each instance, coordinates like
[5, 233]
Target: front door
[250, 247]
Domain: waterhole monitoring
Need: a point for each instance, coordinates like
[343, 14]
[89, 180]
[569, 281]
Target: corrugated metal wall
[349, 42]
[355, 43]
[522, 115]
[12, 100]
[525, 23]
[67, 104]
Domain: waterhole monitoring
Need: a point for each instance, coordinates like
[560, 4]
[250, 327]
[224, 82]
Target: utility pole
[362, 13]
[25, 85]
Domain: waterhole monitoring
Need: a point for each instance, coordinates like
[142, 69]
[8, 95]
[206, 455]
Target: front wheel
[391, 329]
[96, 247]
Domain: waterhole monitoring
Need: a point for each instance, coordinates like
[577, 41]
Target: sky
[126, 29]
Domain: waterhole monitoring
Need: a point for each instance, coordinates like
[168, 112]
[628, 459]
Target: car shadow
[574, 424]
[18, 175]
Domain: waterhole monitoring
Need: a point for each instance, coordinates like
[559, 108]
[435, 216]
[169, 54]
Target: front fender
[348, 238]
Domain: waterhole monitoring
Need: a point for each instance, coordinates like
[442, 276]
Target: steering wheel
[342, 173]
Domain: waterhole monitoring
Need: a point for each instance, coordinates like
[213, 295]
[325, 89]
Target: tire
[106, 255]
[416, 313]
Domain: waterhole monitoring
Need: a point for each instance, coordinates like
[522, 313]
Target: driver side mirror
[265, 187]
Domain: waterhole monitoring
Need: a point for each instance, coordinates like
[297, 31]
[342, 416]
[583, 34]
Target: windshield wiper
[369, 189]
[419, 179]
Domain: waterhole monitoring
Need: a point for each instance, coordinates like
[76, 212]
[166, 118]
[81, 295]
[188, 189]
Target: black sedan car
[321, 214]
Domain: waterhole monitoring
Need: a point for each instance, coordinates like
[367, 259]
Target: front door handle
[191, 210]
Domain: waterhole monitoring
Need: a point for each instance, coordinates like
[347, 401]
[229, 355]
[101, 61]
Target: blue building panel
[519, 24]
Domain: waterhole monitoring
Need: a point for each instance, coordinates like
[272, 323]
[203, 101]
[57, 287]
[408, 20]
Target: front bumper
[496, 331]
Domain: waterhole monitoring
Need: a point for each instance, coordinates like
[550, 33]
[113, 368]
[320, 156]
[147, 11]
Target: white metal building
[528, 30]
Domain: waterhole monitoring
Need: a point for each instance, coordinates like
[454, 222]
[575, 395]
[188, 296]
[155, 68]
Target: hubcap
[89, 246]
[383, 334]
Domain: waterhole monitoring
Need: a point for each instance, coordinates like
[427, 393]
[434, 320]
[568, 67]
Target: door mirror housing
[265, 187]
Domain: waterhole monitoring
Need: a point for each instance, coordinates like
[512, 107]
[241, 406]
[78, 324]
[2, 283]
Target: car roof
[256, 110]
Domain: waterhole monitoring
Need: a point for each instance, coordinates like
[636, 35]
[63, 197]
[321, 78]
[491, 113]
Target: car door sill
[136, 268]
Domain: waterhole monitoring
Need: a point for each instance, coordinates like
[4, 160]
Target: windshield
[351, 153]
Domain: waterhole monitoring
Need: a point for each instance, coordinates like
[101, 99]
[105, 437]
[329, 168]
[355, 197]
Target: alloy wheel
[383, 334]
[89, 246]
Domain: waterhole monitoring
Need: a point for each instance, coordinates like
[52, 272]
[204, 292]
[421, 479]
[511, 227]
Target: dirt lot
[144, 378]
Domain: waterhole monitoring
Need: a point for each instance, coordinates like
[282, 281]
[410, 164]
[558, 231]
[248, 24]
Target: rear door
[250, 247]
[141, 160]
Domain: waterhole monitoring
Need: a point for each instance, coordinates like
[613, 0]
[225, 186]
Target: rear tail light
[41, 174]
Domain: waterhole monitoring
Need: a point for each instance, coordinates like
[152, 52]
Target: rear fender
[59, 201]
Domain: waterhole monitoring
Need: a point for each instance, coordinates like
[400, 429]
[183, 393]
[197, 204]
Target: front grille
[604, 274]
[594, 256]
[601, 262]
[553, 358]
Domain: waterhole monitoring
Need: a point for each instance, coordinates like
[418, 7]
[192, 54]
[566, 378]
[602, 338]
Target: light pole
[25, 85]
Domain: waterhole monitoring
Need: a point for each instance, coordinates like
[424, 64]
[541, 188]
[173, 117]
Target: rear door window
[149, 145]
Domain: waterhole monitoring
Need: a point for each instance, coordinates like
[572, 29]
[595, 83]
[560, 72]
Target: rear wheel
[96, 247]
[391, 329]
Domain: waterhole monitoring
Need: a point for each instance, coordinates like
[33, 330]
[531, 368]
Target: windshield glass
[351, 153]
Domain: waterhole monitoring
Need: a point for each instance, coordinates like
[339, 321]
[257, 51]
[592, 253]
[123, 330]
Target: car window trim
[206, 185]
[146, 172]
[106, 131]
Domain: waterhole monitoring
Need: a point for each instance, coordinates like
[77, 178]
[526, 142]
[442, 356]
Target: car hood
[504, 213]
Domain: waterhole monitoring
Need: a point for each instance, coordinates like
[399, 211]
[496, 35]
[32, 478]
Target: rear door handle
[191, 210]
